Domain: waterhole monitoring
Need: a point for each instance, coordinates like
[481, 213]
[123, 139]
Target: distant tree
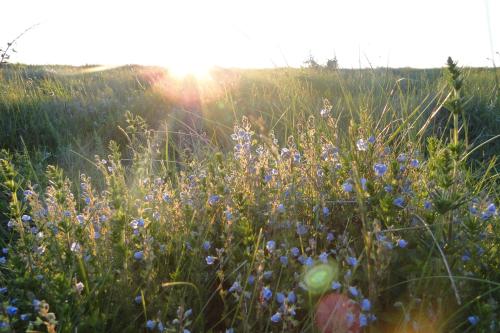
[332, 64]
[312, 63]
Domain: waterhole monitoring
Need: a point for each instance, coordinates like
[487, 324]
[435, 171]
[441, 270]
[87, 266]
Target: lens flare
[319, 278]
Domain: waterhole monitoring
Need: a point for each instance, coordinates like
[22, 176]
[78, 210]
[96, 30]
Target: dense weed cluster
[229, 242]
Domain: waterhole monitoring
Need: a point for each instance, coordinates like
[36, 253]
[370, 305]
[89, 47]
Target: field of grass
[284, 200]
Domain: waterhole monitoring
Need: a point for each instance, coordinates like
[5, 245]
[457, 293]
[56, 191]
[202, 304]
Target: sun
[199, 70]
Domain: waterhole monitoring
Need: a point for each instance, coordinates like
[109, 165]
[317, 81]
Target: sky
[253, 34]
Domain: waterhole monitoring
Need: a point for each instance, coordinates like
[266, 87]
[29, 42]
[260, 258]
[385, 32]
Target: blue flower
[267, 275]
[347, 187]
[399, 201]
[380, 169]
[309, 261]
[284, 260]
[301, 229]
[138, 299]
[388, 188]
[351, 261]
[11, 310]
[236, 287]
[230, 330]
[276, 318]
[363, 321]
[151, 324]
[280, 298]
[213, 199]
[366, 305]
[266, 293]
[323, 257]
[281, 208]
[26, 218]
[210, 260]
[473, 320]
[330, 237]
[427, 204]
[25, 316]
[251, 279]
[206, 245]
[353, 291]
[414, 163]
[363, 183]
[350, 319]
[3, 260]
[3, 290]
[291, 297]
[336, 285]
[371, 139]
[401, 158]
[362, 145]
[271, 246]
[139, 255]
[326, 211]
[295, 251]
[402, 243]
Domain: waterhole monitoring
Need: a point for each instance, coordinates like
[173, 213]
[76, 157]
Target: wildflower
[3, 260]
[3, 290]
[362, 145]
[236, 287]
[363, 321]
[336, 285]
[285, 153]
[267, 275]
[380, 169]
[399, 201]
[347, 187]
[295, 251]
[353, 291]
[330, 237]
[213, 199]
[323, 257]
[363, 183]
[402, 243]
[350, 319]
[230, 330]
[366, 305]
[280, 298]
[11, 310]
[75, 247]
[309, 261]
[466, 256]
[210, 260]
[251, 279]
[281, 208]
[26, 218]
[291, 297]
[79, 287]
[24, 317]
[326, 211]
[139, 255]
[401, 158]
[414, 163]
[473, 320]
[351, 261]
[284, 260]
[301, 229]
[166, 198]
[296, 157]
[150, 324]
[206, 245]
[388, 188]
[276, 318]
[266, 293]
[138, 299]
[427, 204]
[271, 246]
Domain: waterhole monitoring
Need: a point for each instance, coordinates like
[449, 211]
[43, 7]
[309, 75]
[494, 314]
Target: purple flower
[295, 251]
[353, 291]
[213, 199]
[414, 163]
[323, 257]
[330, 237]
[371, 139]
[206, 245]
[399, 202]
[236, 287]
[427, 204]
[301, 229]
[309, 261]
[284, 260]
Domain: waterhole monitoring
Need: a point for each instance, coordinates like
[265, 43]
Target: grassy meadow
[276, 200]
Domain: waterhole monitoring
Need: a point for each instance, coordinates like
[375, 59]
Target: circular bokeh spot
[337, 313]
[319, 278]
